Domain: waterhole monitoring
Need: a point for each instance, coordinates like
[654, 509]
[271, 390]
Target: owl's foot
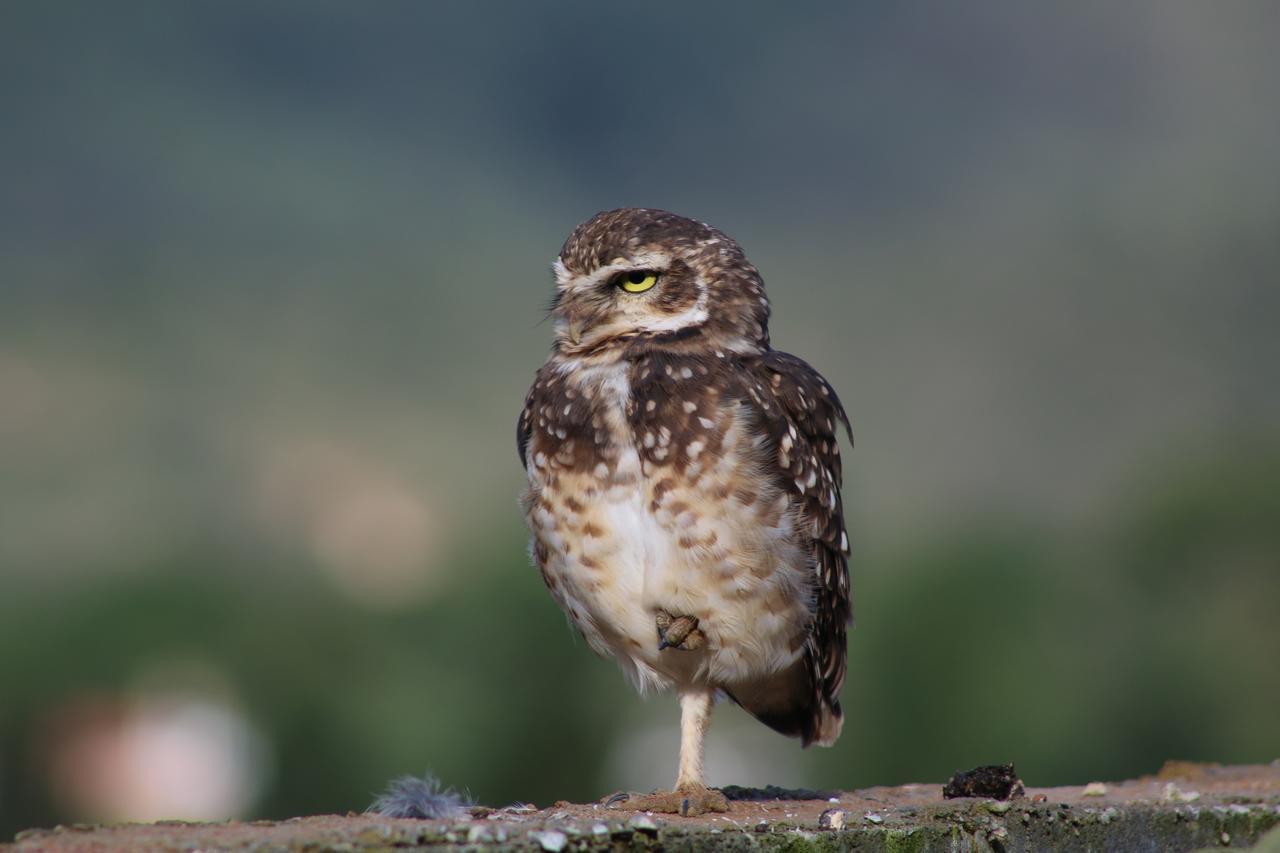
[689, 801]
[678, 632]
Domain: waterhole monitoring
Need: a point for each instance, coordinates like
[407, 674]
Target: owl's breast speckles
[569, 424]
[678, 417]
[665, 509]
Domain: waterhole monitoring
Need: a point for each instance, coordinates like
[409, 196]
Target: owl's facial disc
[649, 292]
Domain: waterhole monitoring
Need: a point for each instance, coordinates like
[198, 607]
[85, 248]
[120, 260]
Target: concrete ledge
[1184, 807]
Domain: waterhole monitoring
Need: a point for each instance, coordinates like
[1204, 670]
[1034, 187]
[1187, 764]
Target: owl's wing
[801, 415]
[524, 426]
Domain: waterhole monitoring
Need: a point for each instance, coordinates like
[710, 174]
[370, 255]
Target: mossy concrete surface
[1183, 807]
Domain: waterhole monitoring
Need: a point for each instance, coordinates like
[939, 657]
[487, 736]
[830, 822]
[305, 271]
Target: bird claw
[613, 801]
[678, 632]
[688, 802]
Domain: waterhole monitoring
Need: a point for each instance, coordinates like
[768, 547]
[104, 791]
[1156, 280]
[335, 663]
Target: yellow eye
[638, 281]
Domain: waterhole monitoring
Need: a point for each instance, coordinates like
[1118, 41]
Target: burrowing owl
[684, 484]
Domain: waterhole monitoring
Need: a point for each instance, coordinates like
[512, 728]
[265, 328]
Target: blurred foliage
[981, 643]
[271, 280]
[1084, 654]
[476, 685]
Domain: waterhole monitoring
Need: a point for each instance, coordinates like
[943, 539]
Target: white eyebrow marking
[561, 273]
[695, 315]
[566, 281]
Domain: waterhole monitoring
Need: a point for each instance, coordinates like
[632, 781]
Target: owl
[684, 482]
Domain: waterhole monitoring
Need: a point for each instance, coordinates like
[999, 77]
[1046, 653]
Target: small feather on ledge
[420, 797]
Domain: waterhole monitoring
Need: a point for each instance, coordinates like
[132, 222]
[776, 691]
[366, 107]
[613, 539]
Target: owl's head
[633, 279]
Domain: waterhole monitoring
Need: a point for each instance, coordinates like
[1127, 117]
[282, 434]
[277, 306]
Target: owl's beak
[576, 315]
[569, 329]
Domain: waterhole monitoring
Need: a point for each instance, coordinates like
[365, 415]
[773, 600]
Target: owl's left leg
[691, 795]
[695, 718]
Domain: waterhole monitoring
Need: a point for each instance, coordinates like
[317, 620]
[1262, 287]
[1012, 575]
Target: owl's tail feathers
[828, 725]
[791, 703]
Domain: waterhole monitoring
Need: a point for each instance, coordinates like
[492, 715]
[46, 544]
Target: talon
[680, 632]
[694, 641]
[680, 629]
[694, 801]
[619, 797]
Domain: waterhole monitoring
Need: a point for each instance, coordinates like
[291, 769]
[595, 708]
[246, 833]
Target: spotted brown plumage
[803, 423]
[684, 482]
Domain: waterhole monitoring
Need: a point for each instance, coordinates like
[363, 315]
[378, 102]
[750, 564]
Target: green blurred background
[271, 283]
